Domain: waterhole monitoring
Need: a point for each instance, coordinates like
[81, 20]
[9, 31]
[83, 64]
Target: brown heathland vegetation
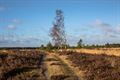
[77, 64]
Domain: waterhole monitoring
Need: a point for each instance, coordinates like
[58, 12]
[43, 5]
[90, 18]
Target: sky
[27, 23]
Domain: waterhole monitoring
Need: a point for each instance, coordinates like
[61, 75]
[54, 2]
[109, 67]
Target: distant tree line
[80, 45]
[107, 45]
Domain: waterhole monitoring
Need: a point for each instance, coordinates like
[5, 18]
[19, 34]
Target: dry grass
[18, 65]
[108, 51]
[95, 67]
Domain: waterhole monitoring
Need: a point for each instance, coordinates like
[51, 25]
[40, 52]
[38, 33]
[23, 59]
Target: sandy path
[56, 67]
[75, 70]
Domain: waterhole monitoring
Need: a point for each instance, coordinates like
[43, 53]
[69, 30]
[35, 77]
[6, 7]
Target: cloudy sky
[27, 22]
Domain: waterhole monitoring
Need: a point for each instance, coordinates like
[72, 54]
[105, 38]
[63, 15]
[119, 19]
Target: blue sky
[27, 22]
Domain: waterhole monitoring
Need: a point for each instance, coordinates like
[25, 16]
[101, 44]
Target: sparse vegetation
[96, 67]
[17, 64]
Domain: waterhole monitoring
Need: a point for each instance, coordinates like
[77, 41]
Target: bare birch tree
[57, 32]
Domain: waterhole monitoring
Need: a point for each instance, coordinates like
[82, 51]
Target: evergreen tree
[49, 46]
[79, 43]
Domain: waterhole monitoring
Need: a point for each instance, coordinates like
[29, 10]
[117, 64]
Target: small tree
[42, 47]
[49, 46]
[107, 45]
[79, 43]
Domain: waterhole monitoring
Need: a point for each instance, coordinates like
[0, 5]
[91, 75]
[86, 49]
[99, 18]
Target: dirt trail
[60, 66]
[74, 70]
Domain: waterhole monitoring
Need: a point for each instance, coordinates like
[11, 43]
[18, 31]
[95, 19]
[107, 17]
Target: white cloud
[11, 27]
[11, 24]
[8, 40]
[28, 39]
[106, 32]
[16, 21]
[103, 32]
[118, 28]
[106, 27]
